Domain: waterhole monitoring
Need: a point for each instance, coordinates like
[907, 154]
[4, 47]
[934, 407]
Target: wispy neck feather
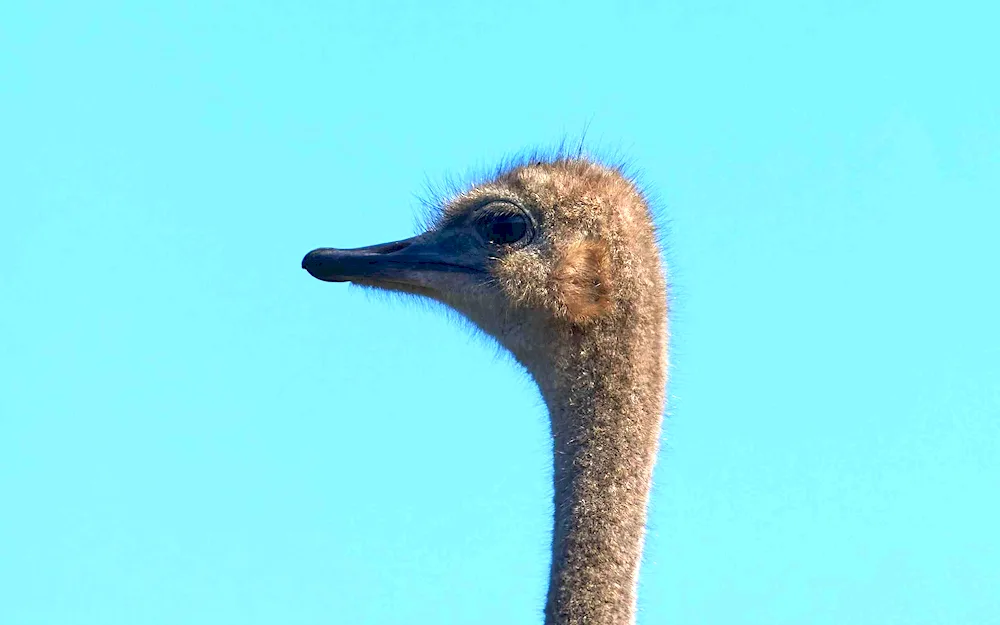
[605, 393]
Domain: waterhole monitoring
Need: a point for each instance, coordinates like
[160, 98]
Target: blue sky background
[194, 431]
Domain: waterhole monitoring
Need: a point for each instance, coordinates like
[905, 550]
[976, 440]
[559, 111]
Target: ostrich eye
[504, 225]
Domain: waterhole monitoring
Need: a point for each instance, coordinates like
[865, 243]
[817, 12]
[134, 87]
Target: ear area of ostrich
[582, 279]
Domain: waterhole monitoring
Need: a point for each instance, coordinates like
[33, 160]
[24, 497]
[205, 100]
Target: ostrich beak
[408, 261]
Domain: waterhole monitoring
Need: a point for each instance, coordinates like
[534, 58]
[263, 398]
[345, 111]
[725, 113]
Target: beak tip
[322, 265]
[311, 262]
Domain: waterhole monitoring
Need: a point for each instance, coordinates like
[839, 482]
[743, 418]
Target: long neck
[605, 399]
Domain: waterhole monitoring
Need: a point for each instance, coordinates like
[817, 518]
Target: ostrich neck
[605, 399]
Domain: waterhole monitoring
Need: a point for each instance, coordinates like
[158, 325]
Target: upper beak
[395, 261]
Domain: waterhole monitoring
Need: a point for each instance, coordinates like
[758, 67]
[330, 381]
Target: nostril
[389, 248]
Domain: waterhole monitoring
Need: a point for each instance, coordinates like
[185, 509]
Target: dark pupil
[506, 229]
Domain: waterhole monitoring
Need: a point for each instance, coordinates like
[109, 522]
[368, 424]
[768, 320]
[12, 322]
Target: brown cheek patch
[583, 280]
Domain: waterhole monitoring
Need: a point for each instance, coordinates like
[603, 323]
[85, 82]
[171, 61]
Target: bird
[557, 258]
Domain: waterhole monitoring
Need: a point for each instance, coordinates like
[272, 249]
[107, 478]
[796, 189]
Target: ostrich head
[543, 248]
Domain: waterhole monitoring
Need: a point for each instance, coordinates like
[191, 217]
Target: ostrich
[557, 260]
